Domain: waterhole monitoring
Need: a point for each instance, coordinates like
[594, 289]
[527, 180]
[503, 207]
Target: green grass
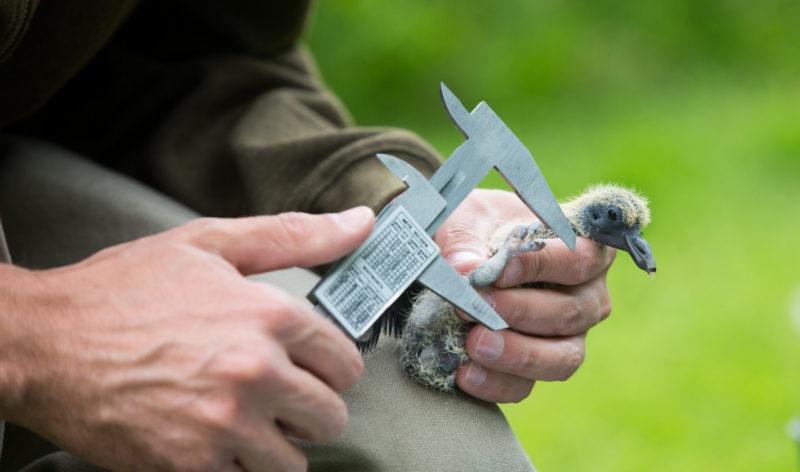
[699, 367]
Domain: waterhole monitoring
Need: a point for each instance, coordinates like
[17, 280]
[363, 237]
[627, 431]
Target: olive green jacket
[213, 103]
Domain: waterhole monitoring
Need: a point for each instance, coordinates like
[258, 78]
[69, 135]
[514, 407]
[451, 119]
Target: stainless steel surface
[420, 198]
[442, 280]
[490, 143]
[358, 289]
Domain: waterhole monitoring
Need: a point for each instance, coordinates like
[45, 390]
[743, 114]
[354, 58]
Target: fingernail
[458, 258]
[512, 274]
[490, 345]
[354, 218]
[476, 375]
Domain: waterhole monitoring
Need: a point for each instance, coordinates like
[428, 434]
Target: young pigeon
[434, 337]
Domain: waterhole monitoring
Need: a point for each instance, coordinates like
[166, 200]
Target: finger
[311, 341]
[492, 386]
[557, 264]
[563, 311]
[269, 450]
[309, 409]
[263, 243]
[525, 356]
[488, 297]
[462, 238]
[327, 353]
[462, 247]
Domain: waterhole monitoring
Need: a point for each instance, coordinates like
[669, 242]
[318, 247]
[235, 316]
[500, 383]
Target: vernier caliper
[358, 289]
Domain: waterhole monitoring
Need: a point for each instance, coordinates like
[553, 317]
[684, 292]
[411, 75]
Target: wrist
[23, 302]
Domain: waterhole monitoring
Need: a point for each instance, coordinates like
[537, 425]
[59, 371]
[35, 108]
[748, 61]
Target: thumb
[264, 243]
[462, 248]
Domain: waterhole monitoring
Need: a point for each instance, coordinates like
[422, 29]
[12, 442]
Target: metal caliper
[359, 288]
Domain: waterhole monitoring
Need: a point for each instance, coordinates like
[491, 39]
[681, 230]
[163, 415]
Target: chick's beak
[640, 251]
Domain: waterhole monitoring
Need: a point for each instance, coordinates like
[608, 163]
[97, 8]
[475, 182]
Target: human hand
[159, 354]
[548, 326]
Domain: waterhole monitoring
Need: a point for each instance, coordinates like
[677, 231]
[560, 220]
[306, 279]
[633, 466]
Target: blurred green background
[695, 103]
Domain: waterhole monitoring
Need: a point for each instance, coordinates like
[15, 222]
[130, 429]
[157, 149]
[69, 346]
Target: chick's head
[614, 216]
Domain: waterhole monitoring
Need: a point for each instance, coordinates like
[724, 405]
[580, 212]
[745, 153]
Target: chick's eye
[612, 214]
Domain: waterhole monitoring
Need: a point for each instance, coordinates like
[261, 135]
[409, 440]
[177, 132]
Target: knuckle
[573, 358]
[571, 317]
[250, 367]
[209, 228]
[299, 327]
[278, 323]
[457, 235]
[513, 312]
[282, 319]
[295, 227]
[221, 413]
[256, 369]
[523, 363]
[299, 234]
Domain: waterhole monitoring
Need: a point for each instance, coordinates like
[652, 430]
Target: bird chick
[434, 337]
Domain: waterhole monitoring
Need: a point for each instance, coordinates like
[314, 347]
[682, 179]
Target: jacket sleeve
[219, 106]
[264, 136]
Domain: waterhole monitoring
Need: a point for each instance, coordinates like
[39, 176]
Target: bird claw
[531, 246]
[518, 242]
[521, 232]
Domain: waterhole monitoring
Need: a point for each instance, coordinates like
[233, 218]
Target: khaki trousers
[58, 208]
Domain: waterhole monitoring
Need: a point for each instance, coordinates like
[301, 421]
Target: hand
[547, 325]
[159, 355]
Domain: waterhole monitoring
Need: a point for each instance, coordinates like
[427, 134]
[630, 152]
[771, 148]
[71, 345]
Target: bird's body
[434, 336]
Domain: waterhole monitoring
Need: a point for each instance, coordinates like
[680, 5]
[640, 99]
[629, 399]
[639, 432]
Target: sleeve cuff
[356, 177]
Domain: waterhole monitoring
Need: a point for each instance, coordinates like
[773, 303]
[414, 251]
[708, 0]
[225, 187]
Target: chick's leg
[518, 241]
